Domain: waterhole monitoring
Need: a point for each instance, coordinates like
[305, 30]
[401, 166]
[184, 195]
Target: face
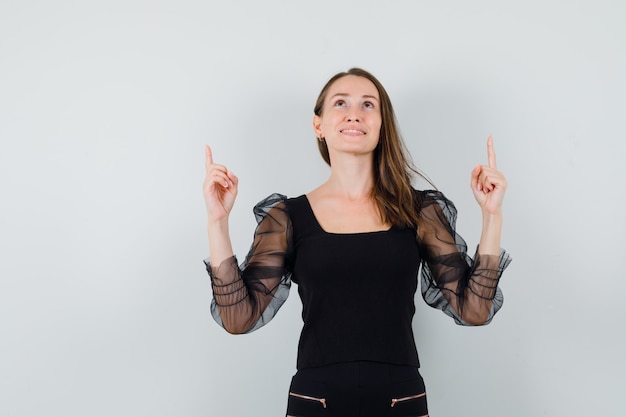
[351, 118]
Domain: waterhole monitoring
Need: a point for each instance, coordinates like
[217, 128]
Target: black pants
[357, 389]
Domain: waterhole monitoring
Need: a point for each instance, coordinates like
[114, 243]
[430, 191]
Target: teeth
[351, 131]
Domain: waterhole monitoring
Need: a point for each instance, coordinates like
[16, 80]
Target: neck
[352, 176]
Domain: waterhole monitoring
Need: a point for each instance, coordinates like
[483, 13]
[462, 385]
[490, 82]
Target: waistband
[360, 373]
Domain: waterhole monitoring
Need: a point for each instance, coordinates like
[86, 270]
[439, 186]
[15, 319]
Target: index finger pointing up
[209, 156]
[491, 154]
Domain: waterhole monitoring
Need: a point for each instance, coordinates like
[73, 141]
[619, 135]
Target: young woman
[354, 246]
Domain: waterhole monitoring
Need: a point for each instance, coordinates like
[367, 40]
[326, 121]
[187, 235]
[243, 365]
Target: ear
[317, 126]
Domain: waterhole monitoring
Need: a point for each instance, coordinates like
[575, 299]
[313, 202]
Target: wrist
[217, 226]
[492, 214]
[491, 231]
[220, 247]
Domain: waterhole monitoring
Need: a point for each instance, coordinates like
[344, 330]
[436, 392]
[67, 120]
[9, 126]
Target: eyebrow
[346, 95]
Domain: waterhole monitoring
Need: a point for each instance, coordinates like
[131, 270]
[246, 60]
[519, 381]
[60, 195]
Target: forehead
[353, 85]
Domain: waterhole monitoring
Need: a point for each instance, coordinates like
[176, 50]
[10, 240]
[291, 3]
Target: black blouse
[357, 289]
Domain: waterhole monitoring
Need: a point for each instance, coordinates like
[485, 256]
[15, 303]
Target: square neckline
[319, 226]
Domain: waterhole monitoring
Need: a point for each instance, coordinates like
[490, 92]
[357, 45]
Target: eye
[368, 105]
[340, 103]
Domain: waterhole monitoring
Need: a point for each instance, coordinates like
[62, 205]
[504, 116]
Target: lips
[352, 131]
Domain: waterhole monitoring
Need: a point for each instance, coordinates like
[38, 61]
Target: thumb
[474, 178]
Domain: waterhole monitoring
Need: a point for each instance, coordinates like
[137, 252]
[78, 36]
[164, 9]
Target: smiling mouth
[352, 131]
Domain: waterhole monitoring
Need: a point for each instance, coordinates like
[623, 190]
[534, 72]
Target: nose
[353, 116]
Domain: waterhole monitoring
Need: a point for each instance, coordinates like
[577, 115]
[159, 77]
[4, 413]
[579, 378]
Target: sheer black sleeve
[247, 296]
[463, 288]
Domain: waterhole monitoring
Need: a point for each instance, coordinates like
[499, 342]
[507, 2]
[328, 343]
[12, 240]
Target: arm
[245, 297]
[465, 288]
[489, 186]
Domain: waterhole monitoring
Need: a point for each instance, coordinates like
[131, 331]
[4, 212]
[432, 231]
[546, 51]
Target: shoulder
[273, 203]
[429, 200]
[430, 197]
[435, 206]
[278, 202]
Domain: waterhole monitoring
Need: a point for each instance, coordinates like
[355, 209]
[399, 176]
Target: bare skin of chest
[337, 215]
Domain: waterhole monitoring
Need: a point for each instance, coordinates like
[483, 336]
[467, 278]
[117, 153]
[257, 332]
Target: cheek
[378, 125]
[332, 119]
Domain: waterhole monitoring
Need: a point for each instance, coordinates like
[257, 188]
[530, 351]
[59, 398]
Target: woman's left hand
[488, 184]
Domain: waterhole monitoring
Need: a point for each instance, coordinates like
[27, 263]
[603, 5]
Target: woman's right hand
[219, 188]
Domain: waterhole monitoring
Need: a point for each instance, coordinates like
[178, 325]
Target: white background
[104, 110]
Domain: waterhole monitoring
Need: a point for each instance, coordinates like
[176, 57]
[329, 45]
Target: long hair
[393, 194]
